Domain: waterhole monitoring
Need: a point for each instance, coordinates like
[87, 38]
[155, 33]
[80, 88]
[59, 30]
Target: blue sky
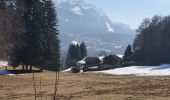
[132, 12]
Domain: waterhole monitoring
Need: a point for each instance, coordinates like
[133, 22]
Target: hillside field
[85, 86]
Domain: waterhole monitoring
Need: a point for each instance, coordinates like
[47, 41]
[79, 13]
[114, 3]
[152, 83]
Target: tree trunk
[26, 67]
[6, 68]
[23, 67]
[30, 68]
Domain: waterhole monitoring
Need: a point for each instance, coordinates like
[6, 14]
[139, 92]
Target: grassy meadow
[87, 86]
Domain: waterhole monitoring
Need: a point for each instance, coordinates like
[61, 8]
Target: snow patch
[161, 70]
[101, 58]
[77, 10]
[3, 63]
[67, 70]
[81, 62]
[118, 46]
[120, 55]
[109, 28]
[74, 42]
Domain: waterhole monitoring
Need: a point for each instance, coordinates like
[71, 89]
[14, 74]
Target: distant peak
[80, 3]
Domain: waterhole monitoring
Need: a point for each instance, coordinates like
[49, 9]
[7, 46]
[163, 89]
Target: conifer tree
[152, 42]
[77, 52]
[31, 13]
[29, 33]
[51, 39]
[83, 50]
[40, 42]
[16, 31]
[128, 54]
[73, 55]
[3, 30]
[70, 55]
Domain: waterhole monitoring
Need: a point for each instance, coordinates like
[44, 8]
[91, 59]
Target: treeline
[75, 53]
[152, 44]
[28, 33]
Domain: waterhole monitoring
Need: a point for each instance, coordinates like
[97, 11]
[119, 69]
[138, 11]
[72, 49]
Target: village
[96, 63]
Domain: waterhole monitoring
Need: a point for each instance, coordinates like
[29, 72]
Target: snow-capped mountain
[81, 21]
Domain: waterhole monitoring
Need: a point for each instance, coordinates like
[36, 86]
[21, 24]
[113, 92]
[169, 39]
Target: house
[111, 60]
[91, 63]
[98, 63]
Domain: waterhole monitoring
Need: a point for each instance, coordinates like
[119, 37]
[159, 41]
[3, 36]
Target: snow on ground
[3, 63]
[81, 62]
[66, 70]
[161, 70]
[74, 42]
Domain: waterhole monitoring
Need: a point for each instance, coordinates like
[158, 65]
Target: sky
[132, 12]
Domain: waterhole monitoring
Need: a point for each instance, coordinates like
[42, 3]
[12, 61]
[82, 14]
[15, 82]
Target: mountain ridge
[81, 21]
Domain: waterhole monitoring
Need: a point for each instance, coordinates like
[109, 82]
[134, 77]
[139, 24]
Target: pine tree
[6, 28]
[32, 31]
[70, 55]
[77, 52]
[26, 11]
[10, 28]
[40, 43]
[83, 50]
[31, 16]
[128, 54]
[73, 55]
[51, 39]
[3, 30]
[17, 29]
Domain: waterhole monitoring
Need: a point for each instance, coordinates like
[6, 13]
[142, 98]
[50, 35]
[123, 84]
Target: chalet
[98, 63]
[111, 60]
[92, 61]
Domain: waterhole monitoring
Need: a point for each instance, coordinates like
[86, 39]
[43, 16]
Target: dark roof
[92, 59]
[116, 57]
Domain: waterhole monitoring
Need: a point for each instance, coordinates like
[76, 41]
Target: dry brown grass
[85, 87]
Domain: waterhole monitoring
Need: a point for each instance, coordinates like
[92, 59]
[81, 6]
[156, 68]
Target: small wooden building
[92, 61]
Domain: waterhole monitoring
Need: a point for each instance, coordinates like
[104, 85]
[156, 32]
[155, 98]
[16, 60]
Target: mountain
[81, 21]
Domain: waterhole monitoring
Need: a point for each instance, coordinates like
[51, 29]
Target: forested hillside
[152, 44]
